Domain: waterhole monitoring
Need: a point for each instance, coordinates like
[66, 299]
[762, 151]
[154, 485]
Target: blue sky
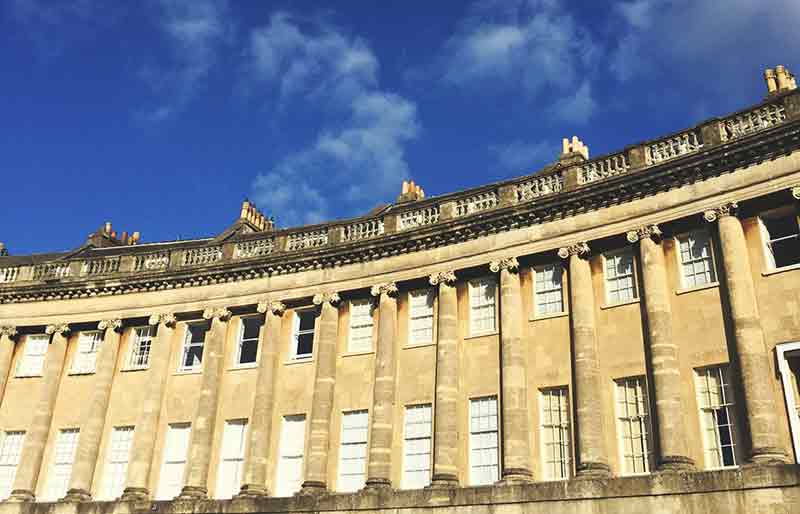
[163, 115]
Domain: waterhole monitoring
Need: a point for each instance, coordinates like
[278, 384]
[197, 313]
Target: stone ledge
[744, 489]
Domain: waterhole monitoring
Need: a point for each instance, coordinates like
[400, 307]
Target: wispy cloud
[530, 47]
[521, 156]
[358, 161]
[196, 32]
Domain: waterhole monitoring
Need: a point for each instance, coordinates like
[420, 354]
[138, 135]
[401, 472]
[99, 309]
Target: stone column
[445, 423]
[591, 444]
[146, 429]
[258, 456]
[322, 401]
[80, 483]
[379, 467]
[195, 482]
[7, 336]
[759, 396]
[514, 381]
[35, 439]
[664, 362]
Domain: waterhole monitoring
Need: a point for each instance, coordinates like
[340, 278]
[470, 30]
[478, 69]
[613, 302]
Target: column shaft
[379, 467]
[445, 448]
[258, 455]
[759, 395]
[91, 433]
[36, 438]
[664, 362]
[591, 445]
[322, 401]
[6, 353]
[199, 460]
[146, 430]
[514, 400]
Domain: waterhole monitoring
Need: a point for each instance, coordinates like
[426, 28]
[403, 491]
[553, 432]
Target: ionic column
[258, 456]
[514, 381]
[322, 400]
[205, 417]
[7, 336]
[759, 397]
[80, 483]
[379, 465]
[664, 362]
[146, 429]
[35, 439]
[591, 446]
[445, 424]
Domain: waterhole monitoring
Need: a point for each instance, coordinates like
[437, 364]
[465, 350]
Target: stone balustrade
[51, 270]
[539, 186]
[8, 275]
[255, 248]
[202, 256]
[749, 122]
[673, 147]
[476, 203]
[419, 217]
[599, 169]
[363, 230]
[307, 240]
[94, 267]
[151, 261]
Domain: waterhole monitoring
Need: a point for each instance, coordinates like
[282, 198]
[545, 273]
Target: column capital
[726, 209]
[276, 308]
[114, 324]
[443, 277]
[647, 231]
[507, 263]
[8, 330]
[165, 318]
[796, 192]
[389, 288]
[330, 297]
[580, 249]
[57, 328]
[220, 313]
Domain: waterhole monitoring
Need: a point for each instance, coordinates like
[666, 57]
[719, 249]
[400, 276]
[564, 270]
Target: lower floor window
[61, 469]
[117, 462]
[715, 399]
[292, 448]
[176, 449]
[556, 451]
[231, 465]
[417, 447]
[633, 424]
[483, 441]
[353, 451]
[10, 452]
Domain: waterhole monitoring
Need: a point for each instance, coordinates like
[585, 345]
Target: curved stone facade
[607, 334]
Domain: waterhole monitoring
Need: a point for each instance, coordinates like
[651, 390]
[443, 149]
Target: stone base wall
[749, 490]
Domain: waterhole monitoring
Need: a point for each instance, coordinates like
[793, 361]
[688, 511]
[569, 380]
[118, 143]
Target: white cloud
[531, 45]
[520, 156]
[196, 31]
[575, 108]
[359, 161]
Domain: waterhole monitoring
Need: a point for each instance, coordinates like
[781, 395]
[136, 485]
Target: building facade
[618, 334]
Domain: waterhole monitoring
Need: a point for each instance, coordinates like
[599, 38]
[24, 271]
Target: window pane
[251, 327]
[353, 451]
[417, 447]
[290, 465]
[483, 441]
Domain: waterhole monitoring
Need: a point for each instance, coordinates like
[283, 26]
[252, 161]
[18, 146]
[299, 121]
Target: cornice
[633, 185]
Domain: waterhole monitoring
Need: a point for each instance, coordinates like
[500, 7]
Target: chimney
[410, 192]
[573, 151]
[3, 250]
[253, 217]
[107, 228]
[779, 80]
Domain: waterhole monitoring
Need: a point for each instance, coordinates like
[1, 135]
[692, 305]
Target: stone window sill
[28, 376]
[298, 360]
[131, 370]
[249, 365]
[482, 334]
[418, 345]
[356, 354]
[195, 371]
[781, 270]
[537, 317]
[80, 373]
[620, 304]
[710, 285]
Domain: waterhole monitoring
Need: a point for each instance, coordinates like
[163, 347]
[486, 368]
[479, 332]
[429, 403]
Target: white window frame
[484, 440]
[607, 279]
[84, 362]
[240, 340]
[555, 433]
[292, 455]
[118, 453]
[690, 238]
[360, 325]
[231, 459]
[188, 345]
[141, 338]
[767, 240]
[633, 424]
[62, 460]
[174, 456]
[792, 401]
[420, 316]
[10, 453]
[478, 304]
[728, 404]
[31, 362]
[353, 450]
[296, 333]
[417, 445]
[547, 289]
